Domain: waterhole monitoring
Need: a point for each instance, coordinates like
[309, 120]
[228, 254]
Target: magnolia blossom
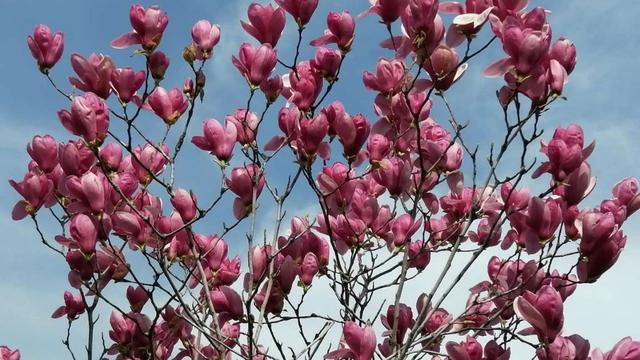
[46, 47]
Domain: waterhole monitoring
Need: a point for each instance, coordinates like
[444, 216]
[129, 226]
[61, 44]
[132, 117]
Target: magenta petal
[60, 312]
[19, 210]
[530, 314]
[498, 68]
[125, 40]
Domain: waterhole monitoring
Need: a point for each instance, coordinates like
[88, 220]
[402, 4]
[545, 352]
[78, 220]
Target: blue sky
[602, 95]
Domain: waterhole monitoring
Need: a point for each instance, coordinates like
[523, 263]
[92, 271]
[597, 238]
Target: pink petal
[125, 40]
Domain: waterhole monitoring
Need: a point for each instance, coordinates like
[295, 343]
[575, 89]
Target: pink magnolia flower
[602, 258]
[272, 88]
[561, 348]
[302, 86]
[44, 151]
[493, 351]
[564, 52]
[274, 300]
[217, 139]
[311, 135]
[309, 268]
[75, 158]
[227, 302]
[404, 319]
[84, 233]
[341, 28]
[111, 156]
[89, 118]
[388, 10]
[158, 64]
[126, 82]
[8, 354]
[625, 349]
[627, 193]
[246, 124]
[543, 311]
[423, 26]
[389, 77]
[149, 159]
[577, 185]
[538, 225]
[301, 10]
[419, 254]
[148, 27]
[565, 151]
[266, 23]
[94, 74]
[45, 47]
[185, 203]
[37, 191]
[205, 36]
[394, 174]
[168, 105]
[242, 182]
[73, 306]
[327, 62]
[403, 227]
[443, 67]
[137, 297]
[378, 147]
[352, 132]
[213, 250]
[88, 192]
[358, 343]
[470, 349]
[469, 20]
[254, 64]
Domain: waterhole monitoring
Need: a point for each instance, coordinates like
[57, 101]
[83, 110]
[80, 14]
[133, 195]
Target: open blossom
[149, 158]
[341, 28]
[205, 35]
[126, 82]
[8, 354]
[266, 23]
[168, 105]
[217, 139]
[469, 19]
[148, 26]
[301, 10]
[73, 306]
[389, 77]
[359, 343]
[37, 191]
[254, 64]
[45, 47]
[543, 311]
[88, 118]
[94, 74]
[566, 152]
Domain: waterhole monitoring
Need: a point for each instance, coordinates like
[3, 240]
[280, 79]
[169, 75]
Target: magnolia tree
[390, 195]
